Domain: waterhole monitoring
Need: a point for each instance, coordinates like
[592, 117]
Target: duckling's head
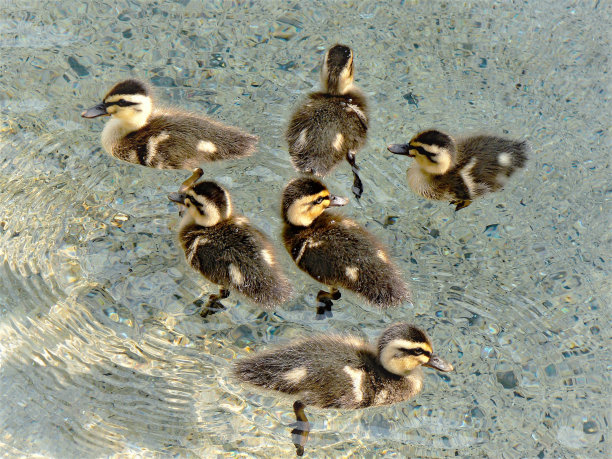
[205, 203]
[304, 199]
[337, 71]
[434, 151]
[403, 347]
[128, 101]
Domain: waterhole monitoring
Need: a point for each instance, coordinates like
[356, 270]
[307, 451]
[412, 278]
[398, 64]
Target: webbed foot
[357, 183]
[325, 303]
[460, 203]
[301, 428]
[214, 305]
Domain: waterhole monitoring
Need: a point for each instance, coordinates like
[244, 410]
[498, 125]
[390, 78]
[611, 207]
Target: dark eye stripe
[121, 103]
[431, 156]
[416, 351]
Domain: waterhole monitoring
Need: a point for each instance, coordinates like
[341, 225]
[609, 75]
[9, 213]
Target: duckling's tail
[521, 154]
[267, 289]
[383, 287]
[388, 294]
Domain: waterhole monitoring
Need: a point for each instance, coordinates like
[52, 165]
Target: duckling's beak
[400, 149]
[439, 364]
[179, 198]
[336, 201]
[95, 111]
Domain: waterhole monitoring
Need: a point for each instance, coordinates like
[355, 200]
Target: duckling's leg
[214, 305]
[324, 302]
[357, 185]
[461, 203]
[299, 434]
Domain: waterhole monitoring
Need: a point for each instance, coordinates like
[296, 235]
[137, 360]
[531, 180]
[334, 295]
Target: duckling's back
[174, 140]
[338, 252]
[489, 161]
[328, 372]
[234, 254]
[324, 128]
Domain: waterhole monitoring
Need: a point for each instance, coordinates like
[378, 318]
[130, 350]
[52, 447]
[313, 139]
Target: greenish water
[102, 352]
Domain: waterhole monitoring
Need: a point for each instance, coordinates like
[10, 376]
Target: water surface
[102, 352]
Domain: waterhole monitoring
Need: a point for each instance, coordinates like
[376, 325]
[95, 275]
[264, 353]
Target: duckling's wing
[341, 253]
[242, 258]
[489, 161]
[324, 371]
[183, 141]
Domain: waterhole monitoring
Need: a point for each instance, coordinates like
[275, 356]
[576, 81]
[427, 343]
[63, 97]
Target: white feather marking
[381, 397]
[296, 375]
[152, 144]
[200, 240]
[352, 272]
[504, 159]
[467, 178]
[267, 256]
[337, 143]
[358, 112]
[381, 254]
[235, 275]
[206, 146]
[301, 141]
[301, 252]
[357, 379]
[241, 221]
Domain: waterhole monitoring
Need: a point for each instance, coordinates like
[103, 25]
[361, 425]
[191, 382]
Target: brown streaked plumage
[330, 125]
[335, 250]
[462, 170]
[345, 372]
[226, 249]
[140, 133]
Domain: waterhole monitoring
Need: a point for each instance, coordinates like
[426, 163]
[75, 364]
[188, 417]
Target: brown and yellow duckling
[335, 250]
[462, 170]
[225, 248]
[331, 125]
[345, 372]
[140, 133]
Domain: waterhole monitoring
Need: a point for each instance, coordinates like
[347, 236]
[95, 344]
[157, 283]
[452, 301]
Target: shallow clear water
[102, 352]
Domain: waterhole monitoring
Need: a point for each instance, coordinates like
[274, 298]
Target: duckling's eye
[319, 200]
[125, 103]
[414, 351]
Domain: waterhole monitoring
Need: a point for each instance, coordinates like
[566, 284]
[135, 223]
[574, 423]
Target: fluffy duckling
[225, 248]
[331, 124]
[460, 170]
[335, 250]
[139, 133]
[344, 371]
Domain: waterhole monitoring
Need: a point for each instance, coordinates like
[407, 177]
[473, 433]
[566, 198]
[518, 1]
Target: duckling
[139, 133]
[460, 170]
[335, 250]
[346, 372]
[331, 124]
[225, 248]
